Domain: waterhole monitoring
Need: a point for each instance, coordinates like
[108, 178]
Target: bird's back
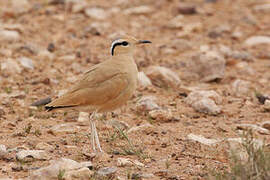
[104, 87]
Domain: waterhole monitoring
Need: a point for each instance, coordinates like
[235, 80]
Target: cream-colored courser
[105, 86]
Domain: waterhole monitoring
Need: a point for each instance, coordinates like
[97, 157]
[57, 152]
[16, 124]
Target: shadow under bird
[105, 86]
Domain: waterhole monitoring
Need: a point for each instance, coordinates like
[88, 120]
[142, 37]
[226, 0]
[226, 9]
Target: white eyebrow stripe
[113, 44]
[115, 41]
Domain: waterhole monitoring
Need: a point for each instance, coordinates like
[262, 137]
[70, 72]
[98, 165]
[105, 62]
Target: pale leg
[92, 124]
[96, 137]
[94, 134]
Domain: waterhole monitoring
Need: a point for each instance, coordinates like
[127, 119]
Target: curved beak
[143, 41]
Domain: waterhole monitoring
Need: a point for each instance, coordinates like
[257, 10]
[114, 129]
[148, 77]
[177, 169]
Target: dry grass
[257, 166]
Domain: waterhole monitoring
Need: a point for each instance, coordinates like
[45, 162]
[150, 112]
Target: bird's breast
[131, 72]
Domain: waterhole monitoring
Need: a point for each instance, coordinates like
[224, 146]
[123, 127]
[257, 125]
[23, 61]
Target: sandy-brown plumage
[104, 87]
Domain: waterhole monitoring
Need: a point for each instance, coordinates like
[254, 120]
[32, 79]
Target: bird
[105, 86]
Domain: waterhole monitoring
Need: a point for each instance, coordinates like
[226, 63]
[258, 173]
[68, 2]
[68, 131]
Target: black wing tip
[50, 108]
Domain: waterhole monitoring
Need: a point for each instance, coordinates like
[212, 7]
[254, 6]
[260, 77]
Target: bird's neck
[123, 57]
[119, 52]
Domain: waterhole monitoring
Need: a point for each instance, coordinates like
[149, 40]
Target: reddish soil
[166, 151]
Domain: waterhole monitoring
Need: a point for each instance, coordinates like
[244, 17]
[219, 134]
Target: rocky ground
[204, 79]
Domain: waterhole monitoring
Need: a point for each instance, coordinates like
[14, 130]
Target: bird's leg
[96, 137]
[94, 134]
[92, 124]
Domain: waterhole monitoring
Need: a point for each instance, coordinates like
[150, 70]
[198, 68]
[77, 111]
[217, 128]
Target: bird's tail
[42, 102]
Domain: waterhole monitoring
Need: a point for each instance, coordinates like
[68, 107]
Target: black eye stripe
[124, 43]
[114, 45]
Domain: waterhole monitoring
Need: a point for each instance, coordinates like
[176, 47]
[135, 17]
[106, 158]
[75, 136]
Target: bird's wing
[94, 89]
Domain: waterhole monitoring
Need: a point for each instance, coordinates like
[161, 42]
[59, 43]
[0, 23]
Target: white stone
[267, 104]
[163, 77]
[245, 69]
[68, 58]
[257, 142]
[87, 164]
[143, 80]
[161, 115]
[44, 146]
[120, 178]
[46, 54]
[83, 173]
[204, 48]
[8, 35]
[98, 27]
[36, 154]
[16, 94]
[26, 62]
[241, 88]
[206, 106]
[203, 140]
[225, 50]
[6, 52]
[58, 17]
[96, 13]
[197, 95]
[65, 128]
[143, 127]
[119, 124]
[176, 22]
[193, 27]
[207, 66]
[256, 40]
[205, 101]
[237, 34]
[19, 148]
[20, 6]
[11, 66]
[219, 30]
[51, 171]
[78, 6]
[242, 55]
[83, 117]
[106, 171]
[180, 45]
[250, 19]
[77, 68]
[139, 10]
[263, 8]
[115, 10]
[254, 127]
[168, 50]
[71, 147]
[147, 176]
[121, 162]
[146, 104]
[3, 150]
[13, 27]
[266, 124]
[138, 163]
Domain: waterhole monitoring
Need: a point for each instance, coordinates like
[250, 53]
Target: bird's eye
[124, 43]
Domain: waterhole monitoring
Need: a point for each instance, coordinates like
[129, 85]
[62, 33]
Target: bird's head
[125, 45]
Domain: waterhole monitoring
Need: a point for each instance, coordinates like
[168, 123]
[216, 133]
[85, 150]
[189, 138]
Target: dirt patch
[62, 42]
